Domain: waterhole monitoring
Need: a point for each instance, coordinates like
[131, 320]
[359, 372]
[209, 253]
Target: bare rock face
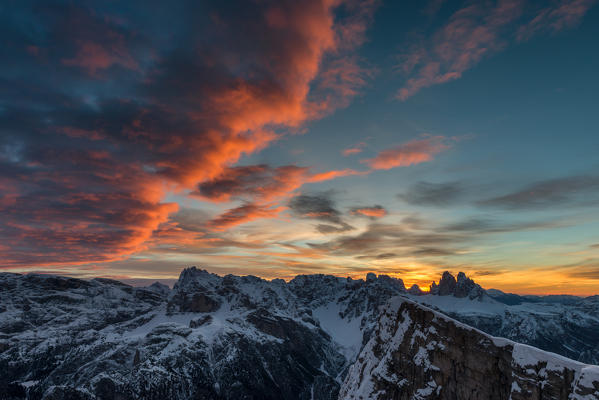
[201, 303]
[462, 287]
[446, 285]
[193, 292]
[416, 353]
[465, 287]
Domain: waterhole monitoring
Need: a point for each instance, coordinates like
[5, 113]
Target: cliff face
[416, 353]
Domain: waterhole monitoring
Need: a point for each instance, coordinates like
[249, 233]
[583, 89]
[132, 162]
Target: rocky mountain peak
[396, 283]
[415, 290]
[446, 285]
[193, 277]
[159, 287]
[462, 287]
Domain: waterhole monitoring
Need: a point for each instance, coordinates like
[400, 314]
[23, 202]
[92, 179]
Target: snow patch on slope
[345, 332]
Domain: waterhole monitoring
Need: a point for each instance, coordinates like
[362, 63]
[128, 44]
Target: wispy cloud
[392, 239]
[370, 212]
[478, 31]
[433, 194]
[410, 153]
[355, 149]
[242, 214]
[579, 189]
[552, 19]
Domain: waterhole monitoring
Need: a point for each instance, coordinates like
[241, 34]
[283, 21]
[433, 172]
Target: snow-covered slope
[209, 337]
[416, 353]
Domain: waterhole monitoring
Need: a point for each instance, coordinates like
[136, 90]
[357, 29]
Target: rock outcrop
[416, 353]
[462, 287]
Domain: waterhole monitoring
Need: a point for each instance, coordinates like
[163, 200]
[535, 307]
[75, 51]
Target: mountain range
[314, 337]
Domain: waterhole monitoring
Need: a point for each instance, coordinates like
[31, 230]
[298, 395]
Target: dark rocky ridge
[416, 353]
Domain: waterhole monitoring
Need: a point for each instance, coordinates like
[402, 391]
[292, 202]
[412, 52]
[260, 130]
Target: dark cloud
[415, 237]
[252, 181]
[585, 269]
[432, 251]
[549, 193]
[322, 208]
[389, 238]
[489, 225]
[433, 194]
[488, 272]
[318, 206]
[381, 256]
[242, 214]
[471, 225]
[588, 272]
[325, 228]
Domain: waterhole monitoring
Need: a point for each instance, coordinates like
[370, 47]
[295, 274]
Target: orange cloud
[326, 176]
[373, 212]
[358, 148]
[242, 113]
[191, 110]
[410, 153]
[88, 227]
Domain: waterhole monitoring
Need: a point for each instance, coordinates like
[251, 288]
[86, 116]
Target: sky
[278, 138]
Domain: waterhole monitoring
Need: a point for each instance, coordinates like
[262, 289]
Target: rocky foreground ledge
[417, 353]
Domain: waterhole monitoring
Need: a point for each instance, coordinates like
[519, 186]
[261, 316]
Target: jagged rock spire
[462, 287]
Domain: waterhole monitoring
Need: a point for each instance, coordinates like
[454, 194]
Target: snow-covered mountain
[567, 325]
[209, 337]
